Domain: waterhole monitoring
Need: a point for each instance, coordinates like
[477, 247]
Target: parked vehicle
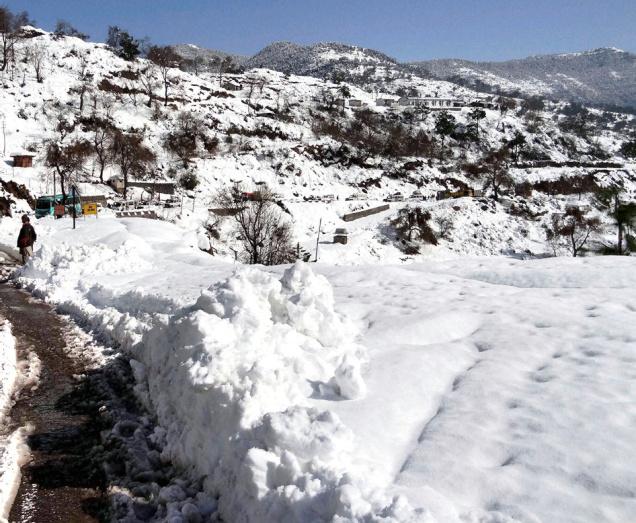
[395, 197]
[45, 205]
[461, 193]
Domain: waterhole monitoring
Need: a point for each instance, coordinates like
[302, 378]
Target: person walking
[26, 239]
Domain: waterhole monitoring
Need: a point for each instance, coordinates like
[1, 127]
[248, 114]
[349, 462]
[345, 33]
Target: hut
[23, 159]
[341, 236]
[117, 183]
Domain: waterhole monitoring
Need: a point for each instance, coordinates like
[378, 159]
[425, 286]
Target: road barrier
[152, 215]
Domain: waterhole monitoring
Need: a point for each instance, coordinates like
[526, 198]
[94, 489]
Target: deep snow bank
[230, 379]
[8, 367]
[232, 375]
[12, 448]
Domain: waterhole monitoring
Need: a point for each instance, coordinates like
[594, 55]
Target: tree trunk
[62, 187]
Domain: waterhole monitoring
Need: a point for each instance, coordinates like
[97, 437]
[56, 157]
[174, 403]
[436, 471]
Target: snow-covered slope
[267, 132]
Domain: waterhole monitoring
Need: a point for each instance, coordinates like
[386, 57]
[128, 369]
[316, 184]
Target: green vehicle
[45, 205]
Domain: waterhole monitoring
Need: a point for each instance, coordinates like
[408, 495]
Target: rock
[144, 511]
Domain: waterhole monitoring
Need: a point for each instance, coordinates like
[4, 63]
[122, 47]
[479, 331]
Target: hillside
[605, 76]
[207, 58]
[289, 133]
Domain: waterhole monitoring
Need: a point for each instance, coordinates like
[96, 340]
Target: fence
[366, 212]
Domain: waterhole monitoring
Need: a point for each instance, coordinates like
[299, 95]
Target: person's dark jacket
[27, 236]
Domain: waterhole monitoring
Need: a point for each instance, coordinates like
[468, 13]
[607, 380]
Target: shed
[230, 85]
[22, 159]
[117, 183]
[341, 236]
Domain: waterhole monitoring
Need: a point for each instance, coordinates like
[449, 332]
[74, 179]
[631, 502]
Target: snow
[14, 453]
[371, 386]
[12, 448]
[472, 389]
[8, 367]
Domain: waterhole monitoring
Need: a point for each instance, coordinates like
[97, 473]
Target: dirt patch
[62, 482]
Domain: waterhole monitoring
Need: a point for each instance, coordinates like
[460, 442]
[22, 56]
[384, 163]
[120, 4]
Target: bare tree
[8, 37]
[165, 58]
[37, 55]
[197, 64]
[101, 142]
[132, 92]
[573, 226]
[149, 82]
[413, 224]
[265, 235]
[64, 28]
[183, 141]
[223, 64]
[131, 156]
[66, 158]
[496, 174]
[84, 78]
[623, 213]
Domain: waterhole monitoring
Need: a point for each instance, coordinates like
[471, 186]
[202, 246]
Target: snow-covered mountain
[207, 57]
[605, 76]
[320, 60]
[601, 77]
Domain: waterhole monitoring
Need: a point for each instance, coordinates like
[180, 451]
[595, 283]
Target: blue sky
[404, 29]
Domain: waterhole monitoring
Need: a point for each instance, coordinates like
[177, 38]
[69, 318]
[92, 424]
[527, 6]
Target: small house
[231, 85]
[386, 102]
[341, 236]
[22, 159]
[117, 183]
[352, 103]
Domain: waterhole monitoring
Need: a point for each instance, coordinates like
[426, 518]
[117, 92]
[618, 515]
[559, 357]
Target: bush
[189, 181]
[412, 224]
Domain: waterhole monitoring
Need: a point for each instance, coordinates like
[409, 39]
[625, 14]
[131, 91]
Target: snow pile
[65, 274]
[12, 448]
[14, 453]
[8, 368]
[231, 379]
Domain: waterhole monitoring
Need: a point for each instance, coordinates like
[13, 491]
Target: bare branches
[36, 55]
[131, 156]
[149, 82]
[574, 227]
[165, 58]
[265, 235]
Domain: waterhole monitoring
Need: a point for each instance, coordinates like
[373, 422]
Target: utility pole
[73, 191]
[4, 135]
[318, 239]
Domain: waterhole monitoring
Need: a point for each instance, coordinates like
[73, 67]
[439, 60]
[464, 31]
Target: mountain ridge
[604, 76]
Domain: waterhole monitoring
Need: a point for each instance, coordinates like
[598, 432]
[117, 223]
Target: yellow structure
[89, 208]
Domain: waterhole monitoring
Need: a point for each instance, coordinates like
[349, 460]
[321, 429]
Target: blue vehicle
[45, 205]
